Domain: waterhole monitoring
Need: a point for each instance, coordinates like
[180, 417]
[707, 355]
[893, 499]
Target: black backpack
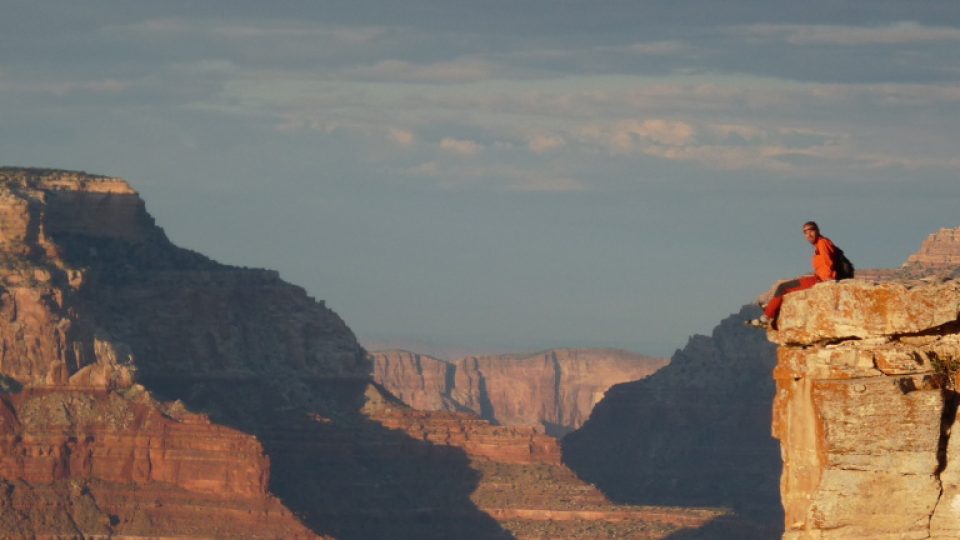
[842, 264]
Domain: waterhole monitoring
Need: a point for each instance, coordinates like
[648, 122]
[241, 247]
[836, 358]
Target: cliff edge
[866, 401]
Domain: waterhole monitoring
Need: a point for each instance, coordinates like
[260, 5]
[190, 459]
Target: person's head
[811, 231]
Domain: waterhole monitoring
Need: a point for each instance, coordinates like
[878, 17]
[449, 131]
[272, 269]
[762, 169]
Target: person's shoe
[760, 322]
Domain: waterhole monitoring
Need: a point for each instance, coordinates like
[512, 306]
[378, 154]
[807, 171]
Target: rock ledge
[866, 401]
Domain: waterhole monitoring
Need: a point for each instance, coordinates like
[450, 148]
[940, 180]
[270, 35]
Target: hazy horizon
[499, 176]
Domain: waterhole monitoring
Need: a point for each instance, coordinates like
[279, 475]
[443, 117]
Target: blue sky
[496, 175]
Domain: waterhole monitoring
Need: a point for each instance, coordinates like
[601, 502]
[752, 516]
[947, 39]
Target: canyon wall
[148, 391]
[865, 407]
[555, 389]
[695, 433]
[84, 448]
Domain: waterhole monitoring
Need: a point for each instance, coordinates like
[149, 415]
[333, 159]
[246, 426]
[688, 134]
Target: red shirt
[822, 261]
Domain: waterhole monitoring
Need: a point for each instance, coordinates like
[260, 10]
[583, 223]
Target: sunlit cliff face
[865, 409]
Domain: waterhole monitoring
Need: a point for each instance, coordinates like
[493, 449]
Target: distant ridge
[940, 249]
[555, 388]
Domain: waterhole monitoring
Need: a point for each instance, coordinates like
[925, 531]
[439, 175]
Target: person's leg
[786, 286]
[773, 308]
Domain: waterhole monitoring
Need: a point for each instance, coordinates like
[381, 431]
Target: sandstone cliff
[555, 389]
[866, 403]
[656, 441]
[151, 392]
[79, 438]
[940, 249]
[694, 433]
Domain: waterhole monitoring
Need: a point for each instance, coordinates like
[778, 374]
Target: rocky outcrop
[866, 403]
[554, 389]
[941, 248]
[79, 437]
[695, 433]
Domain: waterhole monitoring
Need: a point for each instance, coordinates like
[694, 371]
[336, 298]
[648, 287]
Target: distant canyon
[554, 389]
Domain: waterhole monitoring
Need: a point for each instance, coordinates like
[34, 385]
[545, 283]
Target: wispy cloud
[894, 34]
[463, 147]
[456, 71]
[626, 135]
[658, 48]
[402, 137]
[62, 88]
[495, 177]
[170, 27]
[544, 143]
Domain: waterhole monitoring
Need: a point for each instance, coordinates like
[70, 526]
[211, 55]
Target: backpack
[842, 265]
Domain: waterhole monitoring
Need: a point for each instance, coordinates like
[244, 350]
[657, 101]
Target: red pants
[799, 284]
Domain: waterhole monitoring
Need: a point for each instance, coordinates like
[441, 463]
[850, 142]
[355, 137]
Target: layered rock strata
[151, 392]
[554, 389]
[941, 248]
[865, 407]
[84, 448]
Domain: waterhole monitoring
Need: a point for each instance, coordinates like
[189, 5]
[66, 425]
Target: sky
[493, 176]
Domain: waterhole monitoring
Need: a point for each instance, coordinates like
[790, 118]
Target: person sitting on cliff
[824, 269]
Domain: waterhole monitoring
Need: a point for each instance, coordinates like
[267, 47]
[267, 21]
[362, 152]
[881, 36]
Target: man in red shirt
[824, 269]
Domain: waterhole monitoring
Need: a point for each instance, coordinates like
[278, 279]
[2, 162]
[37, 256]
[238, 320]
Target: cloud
[464, 147]
[62, 88]
[625, 135]
[455, 71]
[743, 131]
[402, 137]
[169, 27]
[495, 177]
[205, 67]
[889, 94]
[658, 48]
[428, 169]
[541, 182]
[894, 34]
[544, 143]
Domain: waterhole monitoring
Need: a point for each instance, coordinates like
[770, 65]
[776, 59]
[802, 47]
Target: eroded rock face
[52, 435]
[866, 402]
[554, 389]
[149, 391]
[941, 248]
[421, 381]
[76, 429]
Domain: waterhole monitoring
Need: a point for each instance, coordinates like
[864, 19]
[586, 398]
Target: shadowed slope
[696, 433]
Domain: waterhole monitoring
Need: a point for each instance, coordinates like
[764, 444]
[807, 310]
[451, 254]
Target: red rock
[555, 389]
[865, 406]
[940, 249]
[112, 343]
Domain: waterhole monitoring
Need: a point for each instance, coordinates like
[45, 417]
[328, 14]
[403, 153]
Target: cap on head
[811, 225]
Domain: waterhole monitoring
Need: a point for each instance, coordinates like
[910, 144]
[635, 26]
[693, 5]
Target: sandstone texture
[147, 391]
[941, 248]
[695, 433]
[865, 406]
[554, 389]
[84, 448]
